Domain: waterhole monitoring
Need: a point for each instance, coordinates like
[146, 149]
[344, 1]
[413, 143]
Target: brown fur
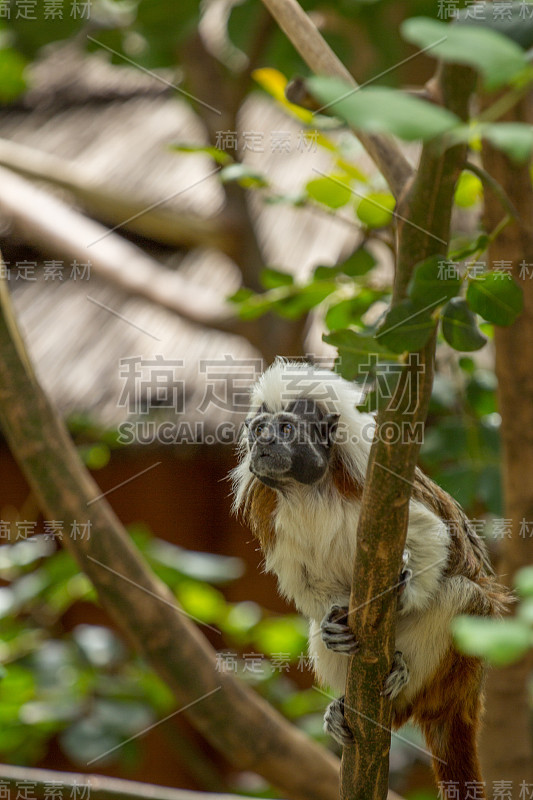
[258, 511]
[468, 555]
[449, 713]
[347, 486]
[450, 706]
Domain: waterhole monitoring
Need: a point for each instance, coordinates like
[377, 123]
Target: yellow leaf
[274, 82]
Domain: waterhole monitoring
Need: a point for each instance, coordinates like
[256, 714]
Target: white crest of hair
[315, 526]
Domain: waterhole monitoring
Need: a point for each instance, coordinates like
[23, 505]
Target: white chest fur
[314, 548]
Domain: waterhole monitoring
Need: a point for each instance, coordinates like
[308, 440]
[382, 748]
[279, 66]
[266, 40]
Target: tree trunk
[506, 744]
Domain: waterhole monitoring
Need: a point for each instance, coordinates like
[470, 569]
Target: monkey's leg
[335, 724]
[453, 744]
[336, 633]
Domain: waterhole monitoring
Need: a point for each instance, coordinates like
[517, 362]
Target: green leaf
[254, 306]
[382, 110]
[242, 617]
[12, 80]
[525, 611]
[95, 456]
[245, 176]
[459, 326]
[375, 210]
[524, 582]
[480, 392]
[201, 600]
[355, 343]
[282, 636]
[495, 297]
[434, 282]
[272, 278]
[303, 299]
[515, 139]
[331, 191]
[516, 23]
[406, 327]
[348, 312]
[241, 295]
[469, 190]
[500, 641]
[359, 263]
[210, 567]
[220, 156]
[469, 248]
[496, 57]
[356, 351]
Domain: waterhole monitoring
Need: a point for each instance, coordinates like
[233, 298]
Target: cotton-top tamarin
[299, 482]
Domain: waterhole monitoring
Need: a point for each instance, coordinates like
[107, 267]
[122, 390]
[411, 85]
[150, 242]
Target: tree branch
[236, 721]
[321, 59]
[100, 786]
[384, 517]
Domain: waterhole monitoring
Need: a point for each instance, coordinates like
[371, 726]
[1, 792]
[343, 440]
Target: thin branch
[321, 59]
[495, 187]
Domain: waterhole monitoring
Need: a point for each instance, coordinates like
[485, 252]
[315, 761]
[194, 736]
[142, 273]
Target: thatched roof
[113, 125]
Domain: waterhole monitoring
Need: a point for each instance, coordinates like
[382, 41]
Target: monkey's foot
[335, 724]
[397, 678]
[336, 634]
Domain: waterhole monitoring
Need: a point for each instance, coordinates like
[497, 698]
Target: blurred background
[152, 169]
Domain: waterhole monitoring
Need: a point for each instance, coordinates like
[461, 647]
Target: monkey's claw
[336, 634]
[397, 677]
[335, 724]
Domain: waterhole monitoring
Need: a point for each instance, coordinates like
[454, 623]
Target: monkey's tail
[453, 743]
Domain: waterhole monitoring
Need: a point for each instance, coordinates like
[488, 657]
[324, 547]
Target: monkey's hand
[336, 633]
[397, 677]
[335, 724]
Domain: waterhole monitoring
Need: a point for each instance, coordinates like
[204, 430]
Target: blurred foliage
[500, 641]
[85, 687]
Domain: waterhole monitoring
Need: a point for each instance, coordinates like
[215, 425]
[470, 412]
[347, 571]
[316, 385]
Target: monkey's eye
[258, 430]
[286, 429]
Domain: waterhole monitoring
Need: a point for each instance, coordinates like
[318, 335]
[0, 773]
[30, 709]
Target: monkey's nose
[266, 437]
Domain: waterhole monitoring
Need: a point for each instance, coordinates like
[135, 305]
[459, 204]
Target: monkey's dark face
[293, 444]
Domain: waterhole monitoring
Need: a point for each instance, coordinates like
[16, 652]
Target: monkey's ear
[331, 421]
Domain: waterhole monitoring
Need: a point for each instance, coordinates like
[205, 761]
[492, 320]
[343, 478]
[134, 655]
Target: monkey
[299, 480]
